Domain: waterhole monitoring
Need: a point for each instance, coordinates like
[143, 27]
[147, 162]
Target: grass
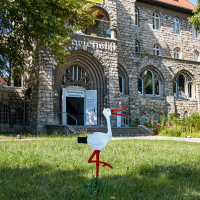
[57, 168]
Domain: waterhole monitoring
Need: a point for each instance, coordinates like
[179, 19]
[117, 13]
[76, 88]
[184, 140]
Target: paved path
[158, 138]
[132, 138]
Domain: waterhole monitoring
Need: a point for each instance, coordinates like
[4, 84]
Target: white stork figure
[99, 140]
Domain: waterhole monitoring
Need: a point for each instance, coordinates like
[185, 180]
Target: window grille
[4, 115]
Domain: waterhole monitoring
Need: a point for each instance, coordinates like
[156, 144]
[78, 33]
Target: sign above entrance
[71, 93]
[96, 1]
[105, 45]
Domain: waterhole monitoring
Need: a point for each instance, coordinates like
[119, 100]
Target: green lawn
[53, 168]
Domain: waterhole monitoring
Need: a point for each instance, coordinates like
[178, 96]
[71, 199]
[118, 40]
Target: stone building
[143, 54]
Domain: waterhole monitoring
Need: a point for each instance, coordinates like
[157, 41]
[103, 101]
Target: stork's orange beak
[114, 110]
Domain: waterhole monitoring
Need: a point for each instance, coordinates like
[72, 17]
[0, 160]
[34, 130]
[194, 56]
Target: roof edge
[167, 5]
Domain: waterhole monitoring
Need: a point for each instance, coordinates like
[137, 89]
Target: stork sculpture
[99, 140]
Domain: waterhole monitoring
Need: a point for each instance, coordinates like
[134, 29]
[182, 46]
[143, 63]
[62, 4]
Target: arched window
[108, 34]
[102, 23]
[195, 56]
[9, 79]
[176, 25]
[156, 50]
[148, 83]
[4, 114]
[123, 80]
[182, 86]
[156, 21]
[121, 83]
[137, 47]
[136, 17]
[176, 53]
[75, 73]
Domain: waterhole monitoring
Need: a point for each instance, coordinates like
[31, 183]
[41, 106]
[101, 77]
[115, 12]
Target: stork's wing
[97, 140]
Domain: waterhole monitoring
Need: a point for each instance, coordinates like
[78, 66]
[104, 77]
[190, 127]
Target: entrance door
[75, 108]
[91, 107]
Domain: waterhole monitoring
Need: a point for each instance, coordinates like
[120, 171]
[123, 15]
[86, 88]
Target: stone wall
[168, 41]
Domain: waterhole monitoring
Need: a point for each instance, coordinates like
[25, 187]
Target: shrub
[135, 122]
[174, 131]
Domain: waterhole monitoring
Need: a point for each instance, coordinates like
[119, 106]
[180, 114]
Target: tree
[195, 19]
[49, 23]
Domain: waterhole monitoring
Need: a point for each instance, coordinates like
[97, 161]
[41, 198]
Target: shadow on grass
[147, 182]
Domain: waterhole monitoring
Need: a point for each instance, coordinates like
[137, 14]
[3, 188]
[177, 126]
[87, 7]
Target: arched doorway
[82, 86]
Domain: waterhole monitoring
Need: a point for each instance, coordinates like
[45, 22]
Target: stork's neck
[109, 127]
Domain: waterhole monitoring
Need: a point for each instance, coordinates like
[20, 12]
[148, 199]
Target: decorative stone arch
[91, 51]
[154, 69]
[186, 72]
[123, 72]
[97, 76]
[102, 12]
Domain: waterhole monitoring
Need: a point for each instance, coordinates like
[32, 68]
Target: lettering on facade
[105, 45]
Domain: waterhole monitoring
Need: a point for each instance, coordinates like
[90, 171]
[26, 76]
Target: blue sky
[193, 1]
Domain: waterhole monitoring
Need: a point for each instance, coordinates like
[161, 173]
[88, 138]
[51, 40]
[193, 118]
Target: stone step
[116, 131]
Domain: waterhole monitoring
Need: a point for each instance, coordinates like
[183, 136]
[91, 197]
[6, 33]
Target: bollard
[19, 137]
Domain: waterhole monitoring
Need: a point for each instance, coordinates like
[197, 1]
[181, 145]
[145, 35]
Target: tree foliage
[24, 23]
[195, 19]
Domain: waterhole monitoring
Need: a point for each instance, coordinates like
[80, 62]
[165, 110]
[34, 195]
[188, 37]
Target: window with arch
[137, 47]
[136, 17]
[108, 33]
[149, 84]
[195, 56]
[182, 86]
[156, 50]
[102, 23]
[176, 25]
[121, 82]
[4, 114]
[156, 21]
[75, 73]
[176, 53]
[7, 77]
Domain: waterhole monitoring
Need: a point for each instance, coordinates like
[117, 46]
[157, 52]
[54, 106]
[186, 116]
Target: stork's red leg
[97, 152]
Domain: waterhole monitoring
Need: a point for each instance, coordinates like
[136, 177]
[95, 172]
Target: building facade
[143, 54]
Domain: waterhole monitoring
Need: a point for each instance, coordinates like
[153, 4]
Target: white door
[91, 107]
